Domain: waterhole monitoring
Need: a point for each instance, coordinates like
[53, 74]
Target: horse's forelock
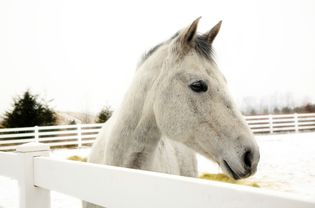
[203, 48]
[200, 45]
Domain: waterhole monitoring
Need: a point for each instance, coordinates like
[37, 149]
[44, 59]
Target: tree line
[29, 110]
[305, 108]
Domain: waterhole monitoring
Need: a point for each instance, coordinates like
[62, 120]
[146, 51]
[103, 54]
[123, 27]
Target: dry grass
[77, 158]
[226, 179]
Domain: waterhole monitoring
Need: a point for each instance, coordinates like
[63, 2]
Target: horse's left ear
[213, 32]
[186, 37]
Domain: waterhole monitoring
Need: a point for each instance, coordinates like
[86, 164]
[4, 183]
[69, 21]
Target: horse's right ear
[187, 36]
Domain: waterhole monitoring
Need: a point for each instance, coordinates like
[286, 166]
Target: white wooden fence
[115, 187]
[85, 134]
[54, 136]
[281, 123]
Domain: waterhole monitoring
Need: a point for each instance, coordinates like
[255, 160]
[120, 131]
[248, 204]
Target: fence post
[270, 123]
[36, 135]
[79, 128]
[296, 125]
[31, 196]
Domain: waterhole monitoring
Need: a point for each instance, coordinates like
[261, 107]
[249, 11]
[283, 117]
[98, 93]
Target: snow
[287, 164]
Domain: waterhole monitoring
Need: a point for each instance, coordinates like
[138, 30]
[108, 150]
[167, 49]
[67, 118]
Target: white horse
[178, 104]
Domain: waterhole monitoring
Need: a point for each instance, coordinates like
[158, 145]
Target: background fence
[84, 134]
[55, 136]
[284, 123]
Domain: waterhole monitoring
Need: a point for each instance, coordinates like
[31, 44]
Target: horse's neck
[135, 135]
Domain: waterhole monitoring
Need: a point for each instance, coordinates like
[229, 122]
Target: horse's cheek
[169, 118]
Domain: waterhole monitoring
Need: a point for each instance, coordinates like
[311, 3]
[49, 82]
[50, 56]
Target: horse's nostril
[248, 159]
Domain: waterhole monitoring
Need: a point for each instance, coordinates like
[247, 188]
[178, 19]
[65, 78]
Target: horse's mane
[201, 46]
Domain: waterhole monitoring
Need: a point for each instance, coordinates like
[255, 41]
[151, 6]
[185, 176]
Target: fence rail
[85, 134]
[117, 187]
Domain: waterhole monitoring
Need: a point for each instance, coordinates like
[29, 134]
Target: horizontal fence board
[258, 122]
[16, 141]
[92, 125]
[284, 129]
[306, 119]
[283, 120]
[307, 123]
[48, 133]
[58, 138]
[16, 129]
[56, 127]
[257, 117]
[258, 125]
[89, 130]
[261, 131]
[10, 164]
[117, 187]
[282, 124]
[4, 136]
[306, 127]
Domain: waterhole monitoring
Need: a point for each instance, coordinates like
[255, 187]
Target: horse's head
[192, 105]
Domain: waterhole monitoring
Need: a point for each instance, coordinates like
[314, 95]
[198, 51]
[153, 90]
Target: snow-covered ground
[287, 164]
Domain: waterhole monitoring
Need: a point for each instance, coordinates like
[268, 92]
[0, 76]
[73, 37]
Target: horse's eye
[199, 86]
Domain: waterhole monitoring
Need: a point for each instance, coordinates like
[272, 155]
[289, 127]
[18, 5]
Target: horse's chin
[232, 173]
[229, 171]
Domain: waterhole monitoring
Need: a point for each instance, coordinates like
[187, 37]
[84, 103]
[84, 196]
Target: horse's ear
[187, 35]
[213, 32]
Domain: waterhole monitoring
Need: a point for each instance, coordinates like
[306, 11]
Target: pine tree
[286, 110]
[27, 111]
[253, 112]
[276, 110]
[104, 115]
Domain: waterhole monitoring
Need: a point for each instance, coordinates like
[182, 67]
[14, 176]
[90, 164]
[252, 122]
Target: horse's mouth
[230, 170]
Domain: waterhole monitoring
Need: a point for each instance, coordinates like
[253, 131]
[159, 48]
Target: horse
[178, 105]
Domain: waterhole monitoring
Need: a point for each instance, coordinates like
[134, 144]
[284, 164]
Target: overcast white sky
[83, 53]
